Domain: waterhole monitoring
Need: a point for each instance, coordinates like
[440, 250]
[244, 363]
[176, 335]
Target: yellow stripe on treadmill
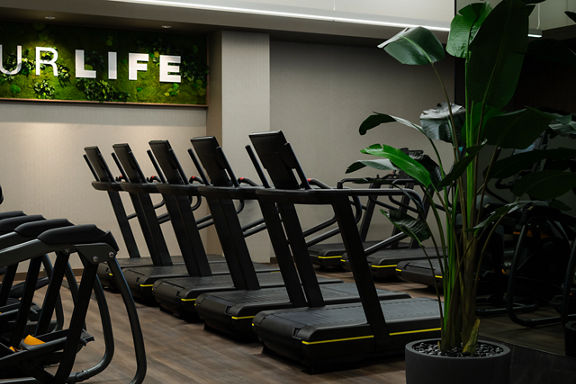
[398, 270]
[146, 285]
[438, 276]
[187, 300]
[337, 340]
[330, 257]
[384, 266]
[414, 331]
[242, 317]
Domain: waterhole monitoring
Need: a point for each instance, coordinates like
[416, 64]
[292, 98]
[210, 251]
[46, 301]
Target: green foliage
[517, 129]
[174, 91]
[514, 164]
[100, 91]
[414, 46]
[493, 44]
[96, 43]
[43, 90]
[63, 75]
[416, 228]
[545, 185]
[497, 53]
[401, 160]
[464, 28]
[437, 125]
[15, 89]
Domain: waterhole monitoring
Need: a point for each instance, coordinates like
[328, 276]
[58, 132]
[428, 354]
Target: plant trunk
[460, 328]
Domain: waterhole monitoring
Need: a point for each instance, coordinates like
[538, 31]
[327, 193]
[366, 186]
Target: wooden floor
[180, 352]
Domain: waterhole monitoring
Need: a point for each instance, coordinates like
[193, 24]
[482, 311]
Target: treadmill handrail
[338, 199]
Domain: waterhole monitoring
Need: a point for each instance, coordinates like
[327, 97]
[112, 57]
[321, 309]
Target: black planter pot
[570, 338]
[422, 368]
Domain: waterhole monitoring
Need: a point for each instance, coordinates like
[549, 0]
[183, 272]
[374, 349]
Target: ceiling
[117, 14]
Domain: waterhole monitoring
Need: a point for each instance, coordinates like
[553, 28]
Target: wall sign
[63, 63]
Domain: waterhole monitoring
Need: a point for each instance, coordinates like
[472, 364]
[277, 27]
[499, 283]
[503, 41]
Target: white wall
[41, 165]
[239, 105]
[321, 93]
[318, 94]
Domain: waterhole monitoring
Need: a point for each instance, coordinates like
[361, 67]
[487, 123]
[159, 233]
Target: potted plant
[493, 44]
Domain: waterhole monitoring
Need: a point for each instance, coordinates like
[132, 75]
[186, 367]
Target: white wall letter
[40, 61]
[168, 65]
[135, 65]
[81, 71]
[18, 62]
[112, 66]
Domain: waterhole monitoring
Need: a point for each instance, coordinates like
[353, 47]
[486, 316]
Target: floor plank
[180, 352]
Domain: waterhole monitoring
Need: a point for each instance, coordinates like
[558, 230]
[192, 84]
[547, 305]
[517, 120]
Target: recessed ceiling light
[166, 26]
[50, 17]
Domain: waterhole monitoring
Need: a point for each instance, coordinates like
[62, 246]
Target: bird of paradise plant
[493, 44]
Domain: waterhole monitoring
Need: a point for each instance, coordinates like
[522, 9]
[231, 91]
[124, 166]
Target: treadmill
[104, 181]
[385, 256]
[179, 295]
[196, 263]
[332, 255]
[322, 336]
[232, 312]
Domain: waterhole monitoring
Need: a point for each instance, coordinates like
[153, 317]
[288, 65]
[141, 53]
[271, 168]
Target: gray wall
[321, 93]
[318, 95]
[41, 165]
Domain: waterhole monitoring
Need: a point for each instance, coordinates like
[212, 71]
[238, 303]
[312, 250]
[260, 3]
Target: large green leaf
[436, 124]
[517, 129]
[464, 27]
[460, 167]
[414, 46]
[502, 211]
[415, 228]
[545, 185]
[376, 119]
[380, 164]
[511, 165]
[497, 54]
[402, 161]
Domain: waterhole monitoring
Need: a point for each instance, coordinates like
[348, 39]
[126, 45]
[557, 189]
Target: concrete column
[239, 103]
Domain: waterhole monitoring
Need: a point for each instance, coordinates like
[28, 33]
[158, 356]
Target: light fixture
[165, 26]
[50, 17]
[220, 8]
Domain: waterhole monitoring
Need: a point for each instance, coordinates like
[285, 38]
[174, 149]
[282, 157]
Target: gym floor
[180, 352]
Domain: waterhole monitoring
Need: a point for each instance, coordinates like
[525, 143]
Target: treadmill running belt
[339, 334]
[141, 279]
[232, 312]
[179, 295]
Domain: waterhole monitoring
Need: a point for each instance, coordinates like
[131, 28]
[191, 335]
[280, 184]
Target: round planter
[570, 338]
[423, 368]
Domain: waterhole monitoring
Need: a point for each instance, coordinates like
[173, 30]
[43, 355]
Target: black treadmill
[144, 214]
[104, 181]
[322, 336]
[179, 295]
[232, 312]
[330, 255]
[418, 271]
[384, 257]
[141, 279]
